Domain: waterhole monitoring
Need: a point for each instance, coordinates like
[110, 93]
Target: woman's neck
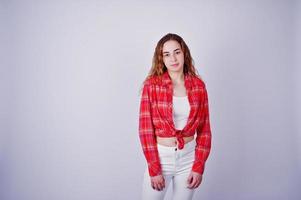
[176, 77]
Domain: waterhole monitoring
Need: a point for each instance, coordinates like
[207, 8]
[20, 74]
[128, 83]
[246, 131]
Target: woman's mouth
[175, 65]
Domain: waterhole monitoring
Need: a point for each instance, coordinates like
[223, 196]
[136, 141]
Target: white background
[70, 77]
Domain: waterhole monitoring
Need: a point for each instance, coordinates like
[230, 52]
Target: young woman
[173, 108]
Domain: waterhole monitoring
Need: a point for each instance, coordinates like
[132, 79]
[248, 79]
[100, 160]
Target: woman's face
[173, 56]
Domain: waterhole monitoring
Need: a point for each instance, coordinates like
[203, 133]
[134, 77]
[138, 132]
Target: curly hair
[158, 67]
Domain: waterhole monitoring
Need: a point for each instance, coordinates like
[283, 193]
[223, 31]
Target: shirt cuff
[198, 167]
[154, 169]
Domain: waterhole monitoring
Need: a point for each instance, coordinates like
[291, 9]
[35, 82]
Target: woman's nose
[173, 58]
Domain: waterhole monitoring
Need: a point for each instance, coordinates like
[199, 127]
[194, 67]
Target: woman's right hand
[158, 182]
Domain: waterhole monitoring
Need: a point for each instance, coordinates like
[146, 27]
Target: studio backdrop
[70, 75]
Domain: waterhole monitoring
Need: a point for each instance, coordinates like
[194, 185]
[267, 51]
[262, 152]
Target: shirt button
[176, 149]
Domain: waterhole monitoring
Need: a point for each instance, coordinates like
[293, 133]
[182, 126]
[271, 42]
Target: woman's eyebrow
[173, 50]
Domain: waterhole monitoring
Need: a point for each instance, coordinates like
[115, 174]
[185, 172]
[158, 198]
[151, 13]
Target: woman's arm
[203, 139]
[147, 134]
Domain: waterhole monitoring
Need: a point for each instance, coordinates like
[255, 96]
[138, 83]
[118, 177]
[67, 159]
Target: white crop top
[181, 109]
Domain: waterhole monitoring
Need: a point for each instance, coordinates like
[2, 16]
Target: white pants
[176, 166]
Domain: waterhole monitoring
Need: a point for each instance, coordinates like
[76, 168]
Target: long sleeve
[203, 139]
[147, 134]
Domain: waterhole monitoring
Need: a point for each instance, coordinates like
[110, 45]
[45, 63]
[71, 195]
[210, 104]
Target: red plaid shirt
[156, 119]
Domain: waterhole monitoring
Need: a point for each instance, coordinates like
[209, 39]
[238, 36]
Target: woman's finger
[194, 182]
[161, 183]
[197, 184]
[153, 186]
[191, 183]
[160, 186]
[189, 179]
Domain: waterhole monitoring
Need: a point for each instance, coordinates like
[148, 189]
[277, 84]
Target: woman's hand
[158, 182]
[194, 180]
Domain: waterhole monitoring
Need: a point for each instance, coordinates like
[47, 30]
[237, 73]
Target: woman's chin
[176, 70]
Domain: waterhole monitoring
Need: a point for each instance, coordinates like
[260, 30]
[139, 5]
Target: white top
[181, 109]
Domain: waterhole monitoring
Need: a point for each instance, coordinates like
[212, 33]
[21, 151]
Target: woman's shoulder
[152, 80]
[198, 81]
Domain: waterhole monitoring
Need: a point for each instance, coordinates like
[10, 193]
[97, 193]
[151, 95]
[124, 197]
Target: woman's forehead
[171, 45]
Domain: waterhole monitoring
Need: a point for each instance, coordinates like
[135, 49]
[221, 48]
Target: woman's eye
[178, 52]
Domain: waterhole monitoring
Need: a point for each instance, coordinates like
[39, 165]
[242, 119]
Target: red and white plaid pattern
[156, 119]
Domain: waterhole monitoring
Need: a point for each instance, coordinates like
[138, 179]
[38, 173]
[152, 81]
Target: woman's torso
[178, 91]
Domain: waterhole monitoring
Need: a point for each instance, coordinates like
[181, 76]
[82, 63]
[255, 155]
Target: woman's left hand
[194, 180]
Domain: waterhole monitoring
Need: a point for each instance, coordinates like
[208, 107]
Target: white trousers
[176, 166]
